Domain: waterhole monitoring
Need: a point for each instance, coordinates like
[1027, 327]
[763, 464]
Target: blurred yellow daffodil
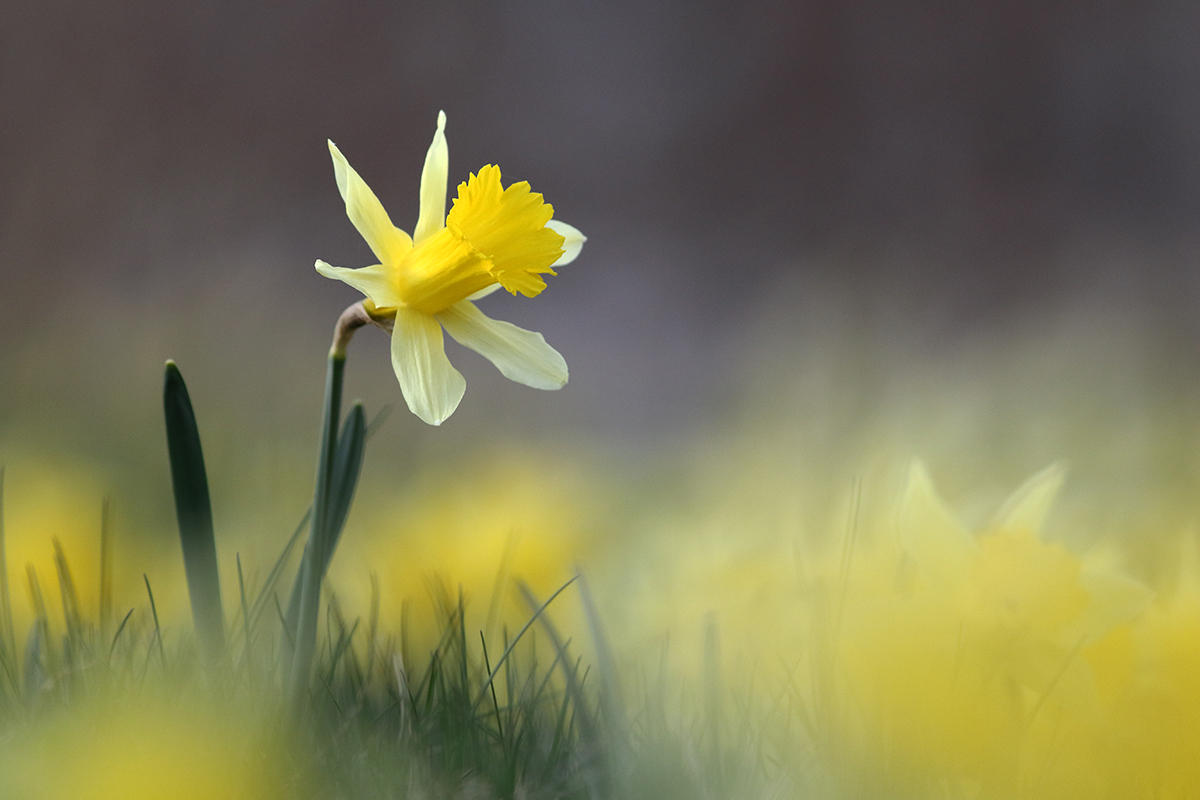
[492, 237]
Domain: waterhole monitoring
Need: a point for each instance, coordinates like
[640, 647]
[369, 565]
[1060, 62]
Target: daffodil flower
[493, 237]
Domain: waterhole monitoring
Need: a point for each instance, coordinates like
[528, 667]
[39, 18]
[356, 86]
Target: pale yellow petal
[375, 282]
[520, 355]
[433, 184]
[431, 386]
[389, 243]
[482, 293]
[937, 542]
[573, 240]
[1028, 506]
[1115, 600]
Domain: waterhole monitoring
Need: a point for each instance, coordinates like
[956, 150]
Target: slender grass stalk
[162, 653]
[713, 710]
[612, 703]
[40, 660]
[194, 512]
[538, 610]
[574, 688]
[70, 598]
[492, 685]
[372, 625]
[120, 628]
[41, 614]
[245, 609]
[267, 592]
[8, 643]
[34, 670]
[106, 568]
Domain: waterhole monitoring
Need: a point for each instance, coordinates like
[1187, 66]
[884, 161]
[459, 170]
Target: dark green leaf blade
[194, 512]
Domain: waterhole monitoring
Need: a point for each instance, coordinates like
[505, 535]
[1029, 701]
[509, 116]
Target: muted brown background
[941, 167]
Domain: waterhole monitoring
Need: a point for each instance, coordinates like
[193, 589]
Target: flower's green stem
[315, 556]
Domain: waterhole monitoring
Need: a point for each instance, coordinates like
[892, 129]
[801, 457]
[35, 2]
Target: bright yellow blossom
[492, 237]
[972, 656]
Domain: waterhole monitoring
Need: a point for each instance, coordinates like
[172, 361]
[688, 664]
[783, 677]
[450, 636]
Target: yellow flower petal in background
[48, 499]
[520, 355]
[146, 748]
[937, 542]
[1115, 599]
[475, 526]
[974, 668]
[1149, 745]
[430, 385]
[1028, 506]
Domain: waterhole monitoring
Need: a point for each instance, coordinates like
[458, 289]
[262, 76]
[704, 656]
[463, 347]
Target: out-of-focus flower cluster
[918, 656]
[1042, 642]
[146, 747]
[995, 663]
[514, 515]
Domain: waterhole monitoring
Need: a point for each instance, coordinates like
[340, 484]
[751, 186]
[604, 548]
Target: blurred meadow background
[825, 239]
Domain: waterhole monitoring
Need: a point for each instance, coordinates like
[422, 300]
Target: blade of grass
[404, 698]
[8, 641]
[162, 654]
[372, 628]
[508, 650]
[612, 704]
[70, 599]
[194, 512]
[333, 697]
[495, 702]
[599, 774]
[713, 707]
[560, 647]
[502, 573]
[34, 671]
[287, 632]
[432, 677]
[246, 631]
[41, 622]
[377, 421]
[106, 568]
[117, 635]
[344, 639]
[6, 623]
[268, 589]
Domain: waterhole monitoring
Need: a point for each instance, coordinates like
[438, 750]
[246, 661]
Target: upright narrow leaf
[343, 479]
[8, 642]
[194, 512]
[106, 568]
[347, 463]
